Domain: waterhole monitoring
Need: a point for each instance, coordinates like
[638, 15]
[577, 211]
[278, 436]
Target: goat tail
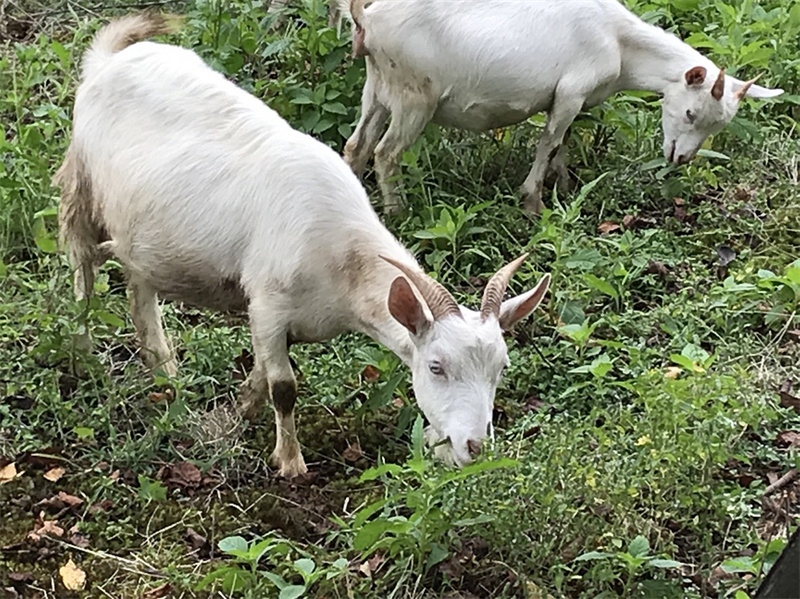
[121, 33]
[80, 232]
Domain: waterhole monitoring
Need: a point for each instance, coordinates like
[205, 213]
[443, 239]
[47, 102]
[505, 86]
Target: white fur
[208, 196]
[486, 64]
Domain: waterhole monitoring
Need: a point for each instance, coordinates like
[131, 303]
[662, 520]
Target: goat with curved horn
[440, 302]
[496, 288]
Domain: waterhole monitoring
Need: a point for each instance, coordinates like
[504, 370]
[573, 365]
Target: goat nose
[474, 447]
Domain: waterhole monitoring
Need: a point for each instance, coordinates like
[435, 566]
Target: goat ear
[406, 308]
[695, 76]
[517, 308]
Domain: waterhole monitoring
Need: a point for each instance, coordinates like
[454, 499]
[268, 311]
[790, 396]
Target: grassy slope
[609, 447]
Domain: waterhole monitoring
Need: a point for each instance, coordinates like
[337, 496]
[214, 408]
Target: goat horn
[718, 90]
[742, 91]
[496, 288]
[439, 300]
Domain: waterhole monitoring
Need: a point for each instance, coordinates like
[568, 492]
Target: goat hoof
[289, 467]
[533, 206]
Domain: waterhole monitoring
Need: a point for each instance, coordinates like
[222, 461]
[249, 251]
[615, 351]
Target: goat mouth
[671, 157]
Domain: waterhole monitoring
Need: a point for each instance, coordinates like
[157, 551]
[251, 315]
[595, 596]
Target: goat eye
[436, 368]
[691, 117]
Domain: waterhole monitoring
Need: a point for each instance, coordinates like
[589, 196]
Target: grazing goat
[492, 63]
[207, 196]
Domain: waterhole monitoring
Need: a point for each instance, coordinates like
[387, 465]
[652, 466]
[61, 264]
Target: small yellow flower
[644, 440]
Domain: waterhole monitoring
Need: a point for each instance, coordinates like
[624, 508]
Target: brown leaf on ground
[787, 399]
[8, 473]
[45, 527]
[772, 477]
[72, 576]
[371, 374]
[195, 540]
[353, 452]
[54, 474]
[398, 402]
[629, 221]
[21, 577]
[69, 500]
[788, 439]
[182, 474]
[158, 592]
[607, 227]
[678, 201]
[672, 372]
[680, 214]
[371, 565]
[101, 506]
[159, 396]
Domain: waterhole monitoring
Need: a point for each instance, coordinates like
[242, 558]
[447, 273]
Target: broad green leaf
[712, 154]
[110, 319]
[305, 566]
[592, 555]
[682, 361]
[292, 592]
[437, 554]
[664, 563]
[235, 543]
[276, 579]
[369, 533]
[364, 513]
[83, 432]
[639, 546]
[374, 473]
[601, 285]
[740, 564]
[481, 519]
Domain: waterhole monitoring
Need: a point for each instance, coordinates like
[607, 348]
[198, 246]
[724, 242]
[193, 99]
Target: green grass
[638, 425]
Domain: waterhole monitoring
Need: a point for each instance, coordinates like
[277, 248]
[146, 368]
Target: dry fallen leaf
[787, 399]
[788, 439]
[47, 527]
[371, 374]
[371, 565]
[54, 474]
[353, 452]
[73, 577]
[182, 474]
[158, 592]
[672, 372]
[69, 500]
[8, 473]
[607, 227]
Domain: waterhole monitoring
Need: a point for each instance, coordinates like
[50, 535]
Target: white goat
[207, 196]
[486, 64]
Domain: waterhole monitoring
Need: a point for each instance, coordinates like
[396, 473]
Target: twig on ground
[781, 482]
